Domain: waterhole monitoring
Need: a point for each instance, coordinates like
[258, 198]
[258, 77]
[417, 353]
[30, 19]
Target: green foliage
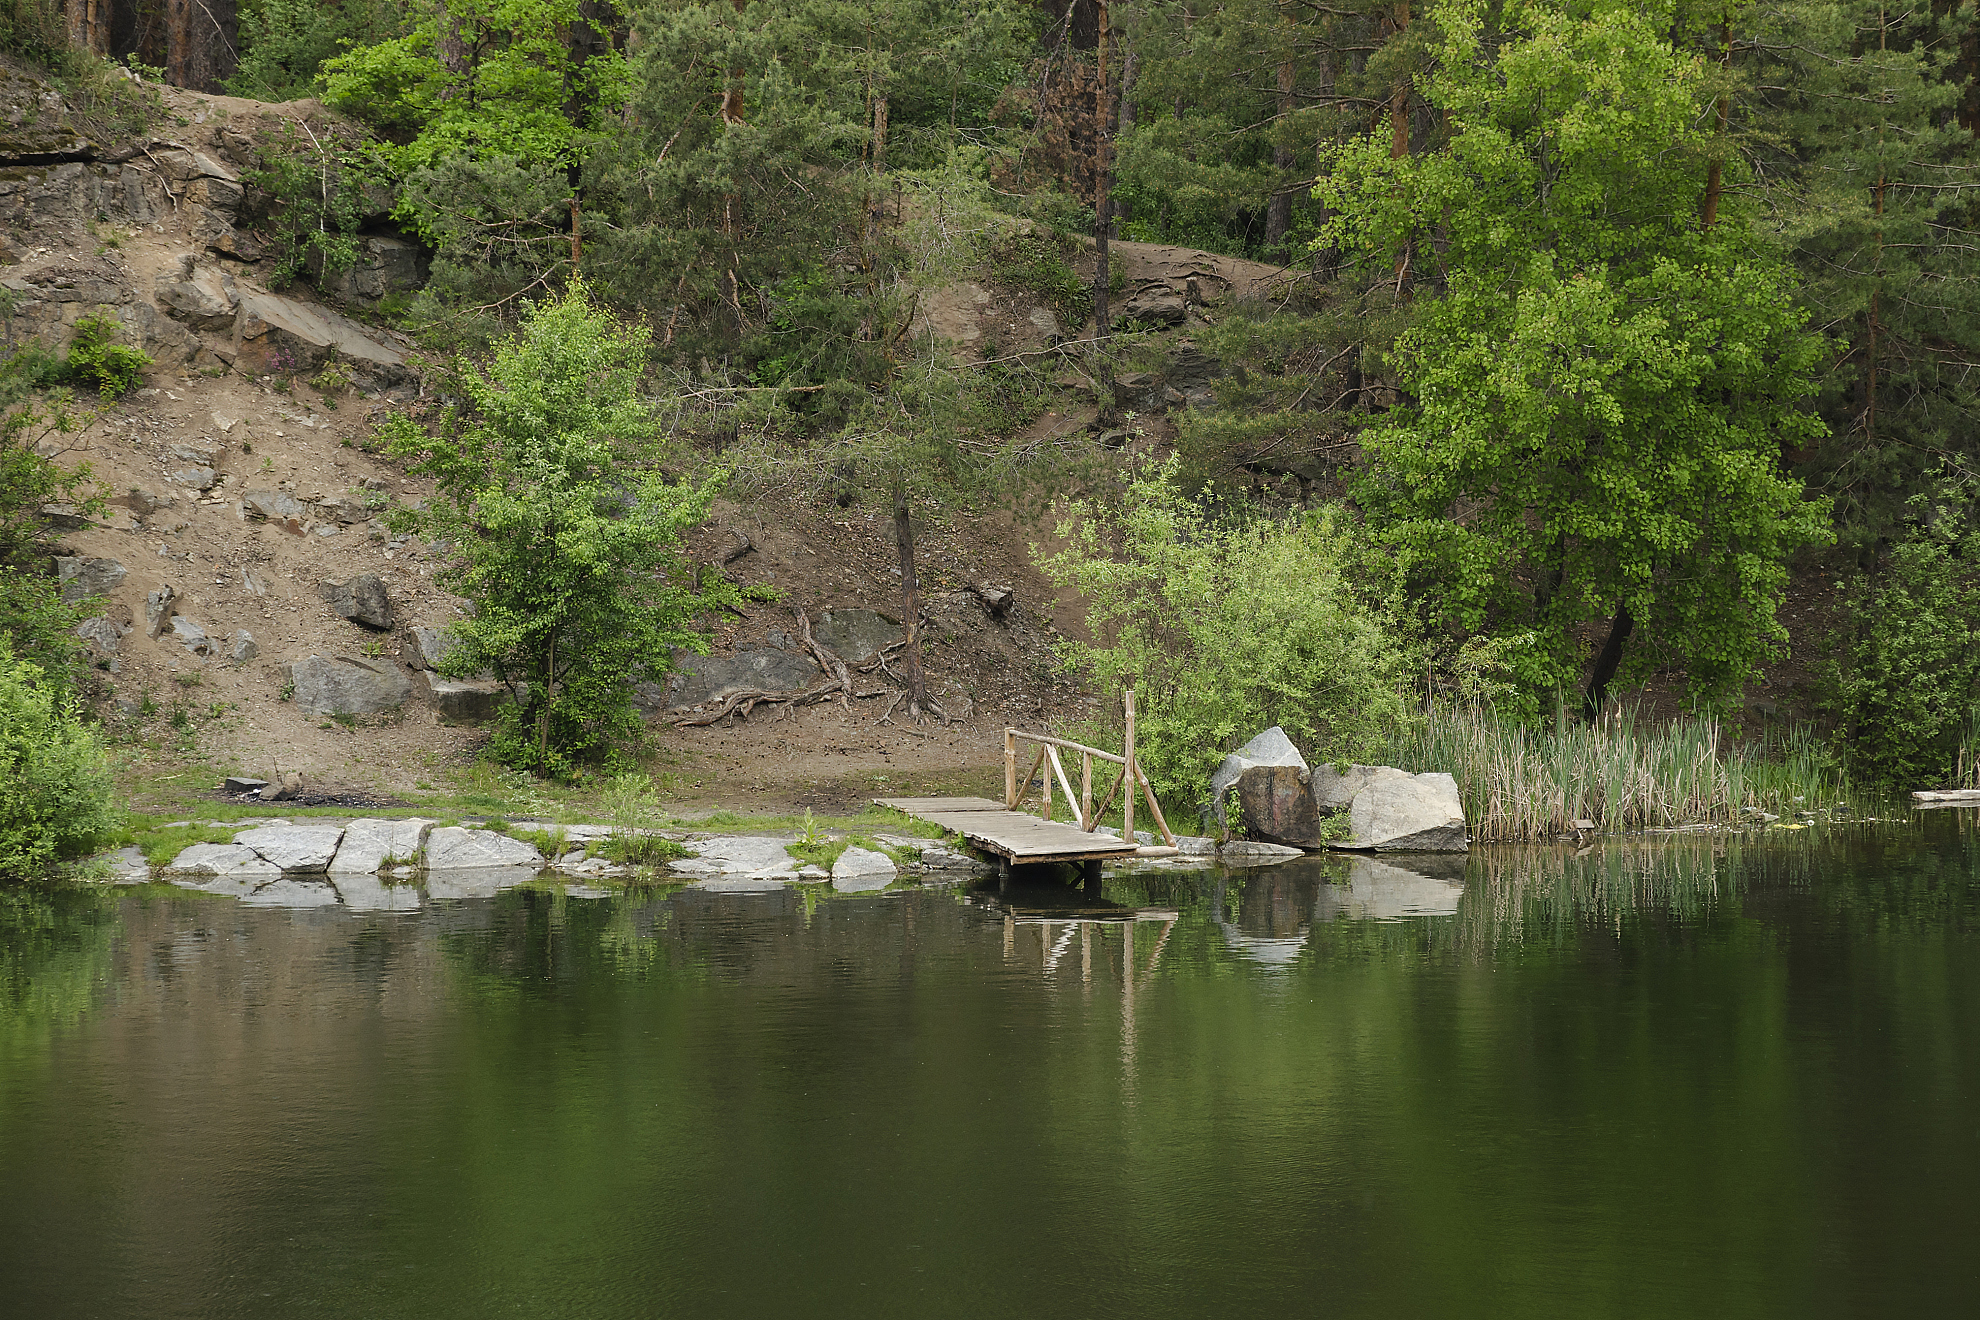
[1904, 671]
[97, 361]
[40, 628]
[1227, 627]
[1042, 263]
[564, 535]
[310, 193]
[283, 42]
[57, 799]
[1596, 400]
[34, 30]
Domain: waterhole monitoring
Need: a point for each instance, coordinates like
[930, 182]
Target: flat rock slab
[457, 849]
[369, 843]
[367, 893]
[723, 856]
[127, 865]
[294, 848]
[227, 861]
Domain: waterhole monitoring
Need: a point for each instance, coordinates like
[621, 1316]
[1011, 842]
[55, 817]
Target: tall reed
[1521, 782]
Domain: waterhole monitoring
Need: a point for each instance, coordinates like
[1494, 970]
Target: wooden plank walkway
[1021, 839]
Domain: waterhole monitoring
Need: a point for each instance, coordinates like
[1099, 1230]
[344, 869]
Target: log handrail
[1049, 747]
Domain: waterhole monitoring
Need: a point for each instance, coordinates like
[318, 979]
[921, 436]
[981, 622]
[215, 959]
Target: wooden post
[1010, 770]
[1087, 818]
[1127, 802]
[1047, 777]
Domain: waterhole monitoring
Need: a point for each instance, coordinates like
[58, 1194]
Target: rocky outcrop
[701, 679]
[1391, 810]
[278, 335]
[457, 849]
[368, 845]
[856, 635]
[293, 848]
[361, 599]
[345, 685]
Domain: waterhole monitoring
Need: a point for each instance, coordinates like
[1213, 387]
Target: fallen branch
[743, 702]
[827, 661]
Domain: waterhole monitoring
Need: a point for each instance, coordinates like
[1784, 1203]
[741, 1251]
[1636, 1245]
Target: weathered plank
[1013, 834]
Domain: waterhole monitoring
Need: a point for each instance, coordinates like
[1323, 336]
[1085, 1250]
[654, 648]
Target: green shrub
[56, 796]
[98, 361]
[310, 193]
[1226, 627]
[1905, 674]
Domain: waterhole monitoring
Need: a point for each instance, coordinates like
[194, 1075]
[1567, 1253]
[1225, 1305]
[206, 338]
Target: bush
[1902, 684]
[56, 797]
[1227, 627]
[98, 361]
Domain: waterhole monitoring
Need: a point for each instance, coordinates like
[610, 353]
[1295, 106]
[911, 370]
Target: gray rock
[194, 638]
[430, 647]
[302, 848]
[1158, 305]
[384, 265]
[200, 478]
[127, 866]
[1250, 852]
[762, 858]
[286, 786]
[1379, 891]
[276, 504]
[856, 635]
[1270, 748]
[223, 861]
[158, 611]
[243, 648]
[80, 578]
[457, 849]
[102, 635]
[1275, 806]
[346, 685]
[1391, 810]
[199, 295]
[362, 599]
[701, 679]
[369, 845]
[276, 334]
[35, 120]
[465, 700]
[242, 784]
[65, 517]
[860, 869]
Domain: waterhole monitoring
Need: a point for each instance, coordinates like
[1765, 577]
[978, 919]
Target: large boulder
[860, 869]
[361, 599]
[276, 334]
[706, 678]
[1391, 810]
[856, 635]
[1270, 748]
[1275, 805]
[346, 685]
[464, 700]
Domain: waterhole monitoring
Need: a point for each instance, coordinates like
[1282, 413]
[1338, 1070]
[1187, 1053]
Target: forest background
[1601, 318]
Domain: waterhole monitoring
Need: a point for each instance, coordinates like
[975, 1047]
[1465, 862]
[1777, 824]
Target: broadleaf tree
[1600, 383]
[563, 533]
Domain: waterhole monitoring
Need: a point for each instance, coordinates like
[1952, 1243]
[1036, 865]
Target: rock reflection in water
[1274, 910]
[1388, 890]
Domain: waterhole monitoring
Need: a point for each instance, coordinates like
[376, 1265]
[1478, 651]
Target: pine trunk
[910, 602]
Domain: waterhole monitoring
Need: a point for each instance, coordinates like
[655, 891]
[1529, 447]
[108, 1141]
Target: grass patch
[1527, 782]
[641, 849]
[161, 843]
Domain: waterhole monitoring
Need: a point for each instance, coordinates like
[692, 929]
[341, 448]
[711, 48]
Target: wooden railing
[1048, 758]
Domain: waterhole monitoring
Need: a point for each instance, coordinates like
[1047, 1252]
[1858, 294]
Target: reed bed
[1522, 782]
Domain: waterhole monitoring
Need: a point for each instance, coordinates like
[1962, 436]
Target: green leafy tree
[57, 798]
[1225, 627]
[284, 42]
[1599, 382]
[35, 623]
[1904, 669]
[563, 534]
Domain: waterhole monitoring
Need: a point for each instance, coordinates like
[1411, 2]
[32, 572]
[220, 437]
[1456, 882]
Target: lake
[1701, 1075]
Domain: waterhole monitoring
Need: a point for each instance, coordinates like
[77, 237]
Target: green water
[1699, 1077]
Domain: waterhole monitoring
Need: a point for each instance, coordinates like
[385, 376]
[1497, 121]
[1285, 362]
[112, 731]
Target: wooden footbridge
[1022, 839]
